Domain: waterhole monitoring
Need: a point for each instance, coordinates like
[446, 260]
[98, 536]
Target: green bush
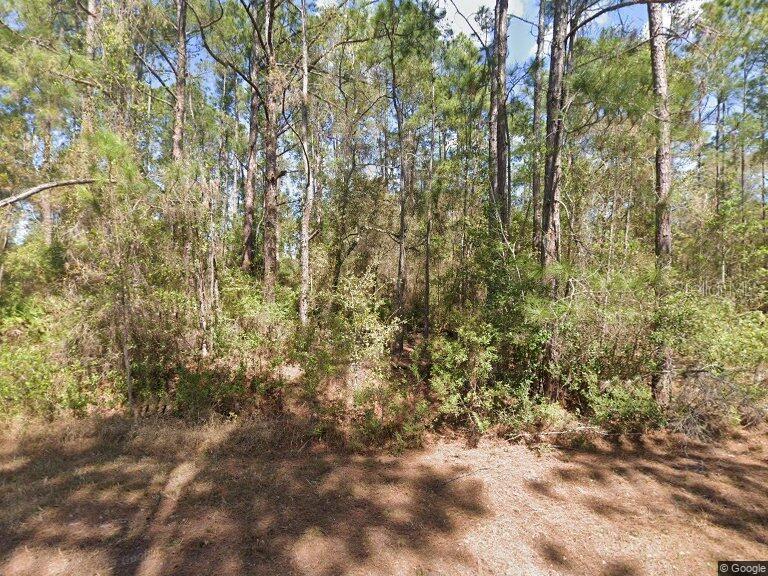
[39, 373]
[461, 374]
[347, 374]
[389, 414]
[625, 406]
[710, 332]
[198, 391]
[353, 333]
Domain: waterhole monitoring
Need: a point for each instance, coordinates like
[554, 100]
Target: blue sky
[522, 36]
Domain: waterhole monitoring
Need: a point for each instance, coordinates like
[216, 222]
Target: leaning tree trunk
[41, 188]
[662, 375]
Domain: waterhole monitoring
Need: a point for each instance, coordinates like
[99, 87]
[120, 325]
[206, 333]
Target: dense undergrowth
[480, 370]
[260, 228]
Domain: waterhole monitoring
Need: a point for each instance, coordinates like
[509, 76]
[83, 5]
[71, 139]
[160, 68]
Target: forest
[198, 195]
[265, 228]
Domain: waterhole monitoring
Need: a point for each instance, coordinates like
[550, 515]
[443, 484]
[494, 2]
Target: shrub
[346, 363]
[251, 333]
[461, 374]
[204, 389]
[625, 406]
[705, 405]
[710, 332]
[39, 373]
[389, 414]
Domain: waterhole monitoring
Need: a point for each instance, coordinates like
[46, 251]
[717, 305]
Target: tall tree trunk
[348, 170]
[742, 141]
[179, 108]
[762, 174]
[537, 135]
[93, 10]
[550, 219]
[270, 197]
[720, 185]
[271, 109]
[249, 191]
[45, 199]
[385, 151]
[125, 340]
[701, 140]
[342, 204]
[428, 235]
[402, 230]
[309, 187]
[718, 141]
[5, 226]
[466, 192]
[502, 129]
[205, 274]
[122, 91]
[404, 189]
[493, 131]
[662, 375]
[626, 224]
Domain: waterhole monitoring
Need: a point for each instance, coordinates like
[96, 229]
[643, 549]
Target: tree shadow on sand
[232, 498]
[725, 490]
[644, 486]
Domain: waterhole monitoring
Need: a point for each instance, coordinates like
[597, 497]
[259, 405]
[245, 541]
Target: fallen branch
[39, 188]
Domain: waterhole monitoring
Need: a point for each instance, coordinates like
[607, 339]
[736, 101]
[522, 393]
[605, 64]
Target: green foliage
[355, 333]
[364, 334]
[198, 391]
[347, 374]
[250, 329]
[30, 268]
[625, 407]
[141, 281]
[710, 332]
[461, 373]
[389, 415]
[38, 371]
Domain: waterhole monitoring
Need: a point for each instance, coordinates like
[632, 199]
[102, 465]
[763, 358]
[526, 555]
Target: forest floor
[110, 496]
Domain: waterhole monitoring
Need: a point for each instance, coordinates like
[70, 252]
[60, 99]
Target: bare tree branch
[611, 8]
[40, 187]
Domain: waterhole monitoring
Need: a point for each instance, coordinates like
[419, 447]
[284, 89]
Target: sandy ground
[168, 498]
